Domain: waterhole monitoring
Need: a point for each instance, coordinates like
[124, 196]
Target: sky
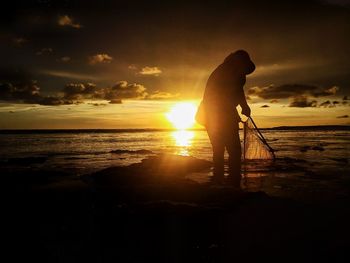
[125, 64]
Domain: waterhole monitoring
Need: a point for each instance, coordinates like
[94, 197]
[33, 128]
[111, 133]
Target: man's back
[222, 95]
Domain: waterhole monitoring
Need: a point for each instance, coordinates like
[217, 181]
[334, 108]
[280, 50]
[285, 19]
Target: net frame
[260, 137]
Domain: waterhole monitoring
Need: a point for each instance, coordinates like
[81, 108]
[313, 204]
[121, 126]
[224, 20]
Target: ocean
[85, 151]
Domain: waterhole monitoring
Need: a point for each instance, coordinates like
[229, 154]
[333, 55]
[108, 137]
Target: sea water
[86, 151]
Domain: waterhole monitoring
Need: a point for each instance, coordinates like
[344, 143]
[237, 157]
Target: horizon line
[339, 127]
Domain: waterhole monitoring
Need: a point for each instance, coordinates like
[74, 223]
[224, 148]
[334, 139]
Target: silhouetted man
[223, 92]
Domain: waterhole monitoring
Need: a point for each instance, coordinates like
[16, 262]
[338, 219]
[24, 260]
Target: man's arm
[243, 103]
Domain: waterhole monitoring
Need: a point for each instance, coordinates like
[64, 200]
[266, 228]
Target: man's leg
[233, 147]
[218, 155]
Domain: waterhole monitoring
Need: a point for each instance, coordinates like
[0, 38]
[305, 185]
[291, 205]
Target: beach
[161, 209]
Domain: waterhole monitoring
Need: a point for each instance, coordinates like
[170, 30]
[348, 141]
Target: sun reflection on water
[183, 139]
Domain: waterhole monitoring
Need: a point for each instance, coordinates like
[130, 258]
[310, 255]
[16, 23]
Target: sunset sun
[181, 115]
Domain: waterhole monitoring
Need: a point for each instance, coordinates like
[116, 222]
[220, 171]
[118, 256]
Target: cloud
[124, 90]
[26, 92]
[18, 87]
[115, 101]
[345, 98]
[326, 92]
[301, 95]
[56, 101]
[64, 59]
[291, 91]
[132, 67]
[332, 104]
[70, 75]
[80, 91]
[153, 71]
[19, 41]
[115, 94]
[327, 104]
[98, 104]
[100, 58]
[67, 21]
[44, 51]
[265, 106]
[343, 116]
[302, 102]
[161, 95]
[29, 93]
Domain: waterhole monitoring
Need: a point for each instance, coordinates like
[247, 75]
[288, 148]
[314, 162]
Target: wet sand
[154, 212]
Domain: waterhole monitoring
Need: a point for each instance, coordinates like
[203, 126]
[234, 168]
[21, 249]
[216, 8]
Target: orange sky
[149, 114]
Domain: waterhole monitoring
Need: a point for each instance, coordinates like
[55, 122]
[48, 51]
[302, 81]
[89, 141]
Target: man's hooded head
[240, 61]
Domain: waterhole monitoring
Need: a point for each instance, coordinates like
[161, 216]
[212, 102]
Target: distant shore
[26, 131]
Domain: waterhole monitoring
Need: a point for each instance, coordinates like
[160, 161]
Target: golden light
[183, 139]
[182, 115]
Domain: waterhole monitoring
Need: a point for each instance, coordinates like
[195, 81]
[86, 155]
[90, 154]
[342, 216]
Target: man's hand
[246, 111]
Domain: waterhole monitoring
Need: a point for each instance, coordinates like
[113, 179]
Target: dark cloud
[115, 101]
[265, 106]
[17, 86]
[29, 93]
[23, 92]
[98, 104]
[19, 41]
[44, 51]
[291, 91]
[302, 102]
[79, 91]
[115, 94]
[345, 98]
[64, 59]
[328, 104]
[123, 90]
[343, 116]
[56, 101]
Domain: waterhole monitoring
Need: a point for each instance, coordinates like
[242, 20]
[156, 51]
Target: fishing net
[255, 147]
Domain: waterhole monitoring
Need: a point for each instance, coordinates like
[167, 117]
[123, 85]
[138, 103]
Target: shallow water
[86, 152]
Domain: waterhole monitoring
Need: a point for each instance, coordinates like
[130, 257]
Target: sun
[181, 115]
